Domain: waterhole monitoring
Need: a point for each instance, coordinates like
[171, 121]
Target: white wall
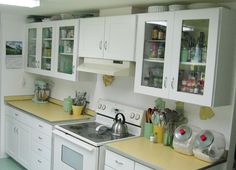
[13, 81]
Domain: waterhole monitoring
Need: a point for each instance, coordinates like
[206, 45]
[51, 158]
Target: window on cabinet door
[193, 56]
[154, 53]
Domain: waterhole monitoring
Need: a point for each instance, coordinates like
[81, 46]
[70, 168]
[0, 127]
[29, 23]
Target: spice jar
[161, 34]
[155, 33]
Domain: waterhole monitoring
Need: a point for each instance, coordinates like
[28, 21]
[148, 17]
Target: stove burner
[97, 136]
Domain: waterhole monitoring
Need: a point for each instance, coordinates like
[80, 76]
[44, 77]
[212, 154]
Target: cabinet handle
[39, 161]
[40, 126]
[73, 69]
[172, 83]
[16, 114]
[165, 81]
[14, 129]
[39, 149]
[40, 138]
[105, 45]
[17, 131]
[100, 45]
[118, 162]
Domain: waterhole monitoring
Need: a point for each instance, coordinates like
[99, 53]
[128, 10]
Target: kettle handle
[123, 117]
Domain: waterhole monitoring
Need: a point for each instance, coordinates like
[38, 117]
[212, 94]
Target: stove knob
[103, 107]
[99, 106]
[132, 115]
[137, 117]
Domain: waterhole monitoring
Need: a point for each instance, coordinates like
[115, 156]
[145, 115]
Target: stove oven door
[73, 154]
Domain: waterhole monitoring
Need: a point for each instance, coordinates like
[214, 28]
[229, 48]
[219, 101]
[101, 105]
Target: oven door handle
[73, 140]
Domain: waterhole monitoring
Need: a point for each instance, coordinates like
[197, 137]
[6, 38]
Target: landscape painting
[14, 48]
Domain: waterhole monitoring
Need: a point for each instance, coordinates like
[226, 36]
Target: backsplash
[121, 91]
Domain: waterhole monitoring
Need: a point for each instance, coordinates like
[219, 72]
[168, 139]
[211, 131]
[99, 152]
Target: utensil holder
[67, 105]
[159, 132]
[77, 110]
[148, 130]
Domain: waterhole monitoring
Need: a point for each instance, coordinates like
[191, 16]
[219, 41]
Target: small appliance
[184, 136]
[41, 92]
[209, 145]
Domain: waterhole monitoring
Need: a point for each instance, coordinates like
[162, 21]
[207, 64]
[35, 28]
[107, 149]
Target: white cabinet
[138, 166]
[52, 48]
[108, 37]
[18, 140]
[180, 55]
[114, 161]
[28, 140]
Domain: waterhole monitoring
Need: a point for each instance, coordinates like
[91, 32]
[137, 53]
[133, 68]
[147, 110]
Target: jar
[155, 33]
[146, 81]
[161, 52]
[184, 55]
[161, 35]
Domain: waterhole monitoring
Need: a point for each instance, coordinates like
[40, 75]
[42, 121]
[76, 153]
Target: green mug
[67, 104]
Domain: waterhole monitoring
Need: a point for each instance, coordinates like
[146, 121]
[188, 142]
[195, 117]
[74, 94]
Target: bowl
[176, 7]
[157, 8]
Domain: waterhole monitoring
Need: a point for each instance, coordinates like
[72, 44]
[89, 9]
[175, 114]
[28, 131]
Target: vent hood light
[22, 3]
[107, 67]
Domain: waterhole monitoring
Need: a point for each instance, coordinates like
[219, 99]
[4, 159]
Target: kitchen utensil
[209, 145]
[119, 128]
[184, 137]
[155, 118]
[149, 115]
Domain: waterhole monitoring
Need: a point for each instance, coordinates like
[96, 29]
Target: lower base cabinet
[114, 161]
[28, 140]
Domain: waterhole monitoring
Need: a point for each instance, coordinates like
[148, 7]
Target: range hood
[107, 67]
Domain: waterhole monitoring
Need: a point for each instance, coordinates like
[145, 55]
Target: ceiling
[48, 7]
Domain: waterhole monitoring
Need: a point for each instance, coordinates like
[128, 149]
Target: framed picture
[13, 47]
[14, 58]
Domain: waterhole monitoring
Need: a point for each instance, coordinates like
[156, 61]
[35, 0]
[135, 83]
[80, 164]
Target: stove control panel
[110, 109]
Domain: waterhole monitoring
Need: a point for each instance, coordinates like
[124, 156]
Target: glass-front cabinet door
[194, 56]
[153, 53]
[47, 44]
[32, 48]
[66, 49]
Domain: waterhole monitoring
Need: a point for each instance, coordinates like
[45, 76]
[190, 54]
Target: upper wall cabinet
[52, 48]
[108, 37]
[186, 55]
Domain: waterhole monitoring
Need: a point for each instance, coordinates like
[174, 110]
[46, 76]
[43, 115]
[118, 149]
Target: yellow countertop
[155, 155]
[48, 111]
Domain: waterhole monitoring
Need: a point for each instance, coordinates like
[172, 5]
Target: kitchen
[17, 82]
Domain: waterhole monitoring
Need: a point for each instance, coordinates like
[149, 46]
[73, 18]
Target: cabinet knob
[165, 81]
[100, 45]
[39, 161]
[118, 162]
[172, 83]
[105, 45]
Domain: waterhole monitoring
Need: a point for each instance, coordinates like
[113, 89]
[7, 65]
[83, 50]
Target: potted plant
[79, 102]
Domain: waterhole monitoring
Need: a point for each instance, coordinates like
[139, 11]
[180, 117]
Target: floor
[10, 164]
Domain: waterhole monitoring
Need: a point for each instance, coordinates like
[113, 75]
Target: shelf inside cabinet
[67, 39]
[156, 41]
[193, 63]
[46, 57]
[32, 55]
[154, 60]
[47, 39]
[70, 54]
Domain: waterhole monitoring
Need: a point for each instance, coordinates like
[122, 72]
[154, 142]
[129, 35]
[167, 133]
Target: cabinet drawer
[42, 127]
[41, 150]
[118, 162]
[42, 139]
[18, 115]
[141, 167]
[39, 163]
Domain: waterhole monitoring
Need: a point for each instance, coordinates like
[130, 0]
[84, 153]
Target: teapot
[119, 128]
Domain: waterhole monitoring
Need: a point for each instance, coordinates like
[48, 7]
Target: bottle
[155, 33]
[197, 54]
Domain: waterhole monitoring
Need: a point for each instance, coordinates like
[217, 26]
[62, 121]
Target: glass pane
[31, 60]
[154, 53]
[193, 56]
[66, 46]
[72, 158]
[46, 48]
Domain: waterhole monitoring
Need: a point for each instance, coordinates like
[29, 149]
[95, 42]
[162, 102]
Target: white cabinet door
[24, 143]
[195, 52]
[141, 167]
[11, 138]
[108, 168]
[120, 33]
[153, 54]
[91, 37]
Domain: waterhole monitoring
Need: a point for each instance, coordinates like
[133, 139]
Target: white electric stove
[80, 146]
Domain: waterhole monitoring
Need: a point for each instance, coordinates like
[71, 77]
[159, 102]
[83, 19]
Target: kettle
[119, 128]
